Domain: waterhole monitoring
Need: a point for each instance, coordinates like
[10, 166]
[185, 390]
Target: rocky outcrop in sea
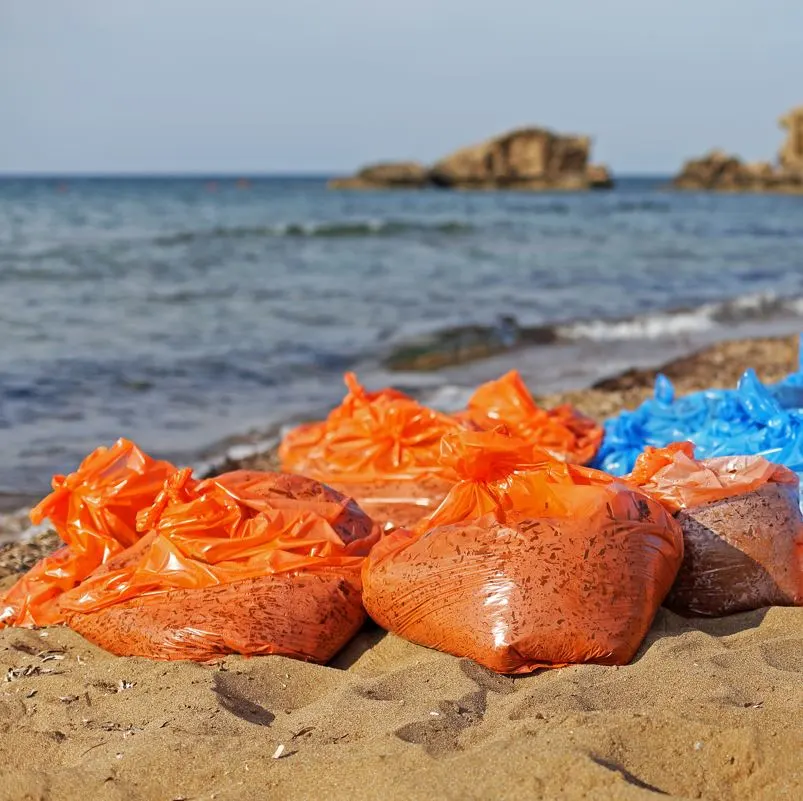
[530, 159]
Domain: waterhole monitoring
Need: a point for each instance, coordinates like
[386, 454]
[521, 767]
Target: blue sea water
[181, 312]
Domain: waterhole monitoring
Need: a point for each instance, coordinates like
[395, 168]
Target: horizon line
[235, 175]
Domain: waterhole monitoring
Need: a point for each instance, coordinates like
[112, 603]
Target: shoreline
[714, 365]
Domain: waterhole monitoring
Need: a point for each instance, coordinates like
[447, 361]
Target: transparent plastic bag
[742, 529]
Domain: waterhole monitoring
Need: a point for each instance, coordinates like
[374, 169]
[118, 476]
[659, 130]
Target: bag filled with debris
[529, 562]
[742, 529]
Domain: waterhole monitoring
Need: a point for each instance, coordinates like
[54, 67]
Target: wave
[754, 307]
[458, 344]
[323, 230]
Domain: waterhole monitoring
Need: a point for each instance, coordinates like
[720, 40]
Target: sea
[200, 316]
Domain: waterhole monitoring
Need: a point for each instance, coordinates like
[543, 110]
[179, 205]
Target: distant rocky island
[530, 159]
[722, 172]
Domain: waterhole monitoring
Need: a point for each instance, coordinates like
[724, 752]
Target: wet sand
[708, 709]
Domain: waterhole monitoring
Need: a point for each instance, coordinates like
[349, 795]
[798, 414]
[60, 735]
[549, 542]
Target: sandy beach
[708, 709]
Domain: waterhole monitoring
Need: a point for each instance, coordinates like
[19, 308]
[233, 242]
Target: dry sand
[708, 709]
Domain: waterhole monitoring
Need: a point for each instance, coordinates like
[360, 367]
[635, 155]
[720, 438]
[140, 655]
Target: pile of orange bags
[529, 562]
[247, 562]
[505, 551]
[742, 528]
[562, 431]
[383, 448]
[380, 448]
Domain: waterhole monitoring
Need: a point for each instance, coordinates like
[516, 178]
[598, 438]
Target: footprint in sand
[439, 734]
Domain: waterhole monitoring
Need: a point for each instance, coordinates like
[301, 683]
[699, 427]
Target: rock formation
[725, 173]
[528, 159]
[790, 156]
[396, 175]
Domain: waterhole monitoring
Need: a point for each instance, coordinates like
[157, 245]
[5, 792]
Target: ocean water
[185, 312]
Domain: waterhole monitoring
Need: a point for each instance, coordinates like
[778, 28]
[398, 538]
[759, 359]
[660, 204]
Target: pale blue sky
[326, 85]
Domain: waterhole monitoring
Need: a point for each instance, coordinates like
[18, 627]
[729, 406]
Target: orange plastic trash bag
[94, 512]
[528, 563]
[380, 448]
[742, 529]
[247, 563]
[565, 433]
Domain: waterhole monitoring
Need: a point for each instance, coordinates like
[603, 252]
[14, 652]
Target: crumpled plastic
[94, 511]
[742, 529]
[247, 562]
[529, 562]
[678, 480]
[562, 431]
[753, 419]
[381, 448]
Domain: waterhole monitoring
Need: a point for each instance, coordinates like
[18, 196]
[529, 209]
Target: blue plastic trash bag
[753, 419]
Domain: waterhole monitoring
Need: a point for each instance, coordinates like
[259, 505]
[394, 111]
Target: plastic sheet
[753, 419]
[381, 448]
[742, 529]
[562, 431]
[247, 562]
[529, 562]
[94, 511]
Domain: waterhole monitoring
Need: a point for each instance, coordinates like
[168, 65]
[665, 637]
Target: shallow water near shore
[184, 313]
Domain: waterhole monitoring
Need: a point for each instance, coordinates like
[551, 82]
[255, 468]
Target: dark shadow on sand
[366, 638]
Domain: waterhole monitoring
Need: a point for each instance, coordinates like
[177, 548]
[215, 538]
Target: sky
[324, 86]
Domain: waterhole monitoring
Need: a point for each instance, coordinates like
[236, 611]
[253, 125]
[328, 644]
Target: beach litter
[247, 563]
[565, 433]
[754, 419]
[742, 529]
[93, 511]
[529, 562]
[383, 448]
[479, 533]
[380, 448]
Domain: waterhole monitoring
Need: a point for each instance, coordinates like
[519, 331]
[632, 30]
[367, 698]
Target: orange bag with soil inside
[565, 433]
[529, 562]
[742, 528]
[380, 448]
[247, 562]
[94, 512]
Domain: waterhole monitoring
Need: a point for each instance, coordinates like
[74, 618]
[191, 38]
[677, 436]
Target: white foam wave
[686, 321]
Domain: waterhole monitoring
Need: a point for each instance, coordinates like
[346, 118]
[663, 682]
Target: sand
[709, 708]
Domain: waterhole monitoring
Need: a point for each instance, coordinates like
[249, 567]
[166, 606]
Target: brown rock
[721, 172]
[528, 158]
[790, 155]
[396, 175]
[715, 169]
[760, 169]
[599, 177]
